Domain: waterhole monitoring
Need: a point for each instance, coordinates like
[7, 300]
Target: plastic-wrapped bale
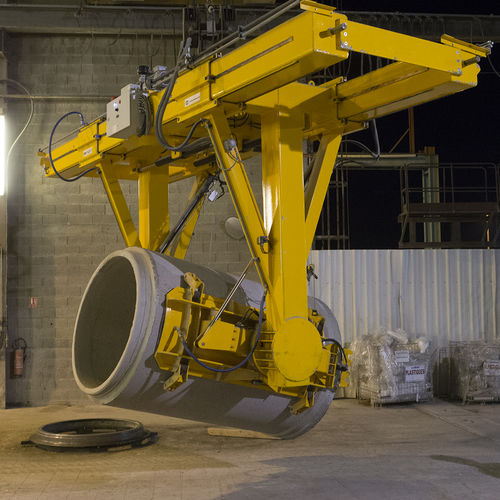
[474, 371]
[388, 368]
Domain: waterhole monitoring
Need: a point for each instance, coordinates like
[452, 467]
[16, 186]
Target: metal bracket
[262, 240]
[226, 302]
[333, 31]
[310, 272]
[305, 402]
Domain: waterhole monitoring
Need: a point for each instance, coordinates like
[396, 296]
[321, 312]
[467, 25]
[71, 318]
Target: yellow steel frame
[259, 80]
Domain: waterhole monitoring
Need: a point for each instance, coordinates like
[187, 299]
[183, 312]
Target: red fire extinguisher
[19, 356]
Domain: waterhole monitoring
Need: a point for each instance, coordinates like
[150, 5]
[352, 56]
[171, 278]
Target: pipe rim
[139, 330]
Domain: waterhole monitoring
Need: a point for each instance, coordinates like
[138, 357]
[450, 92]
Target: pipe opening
[105, 322]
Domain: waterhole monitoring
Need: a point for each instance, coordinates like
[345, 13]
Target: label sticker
[491, 368]
[87, 152]
[402, 356]
[415, 373]
[192, 99]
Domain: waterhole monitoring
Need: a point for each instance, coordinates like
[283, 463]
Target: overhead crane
[208, 346]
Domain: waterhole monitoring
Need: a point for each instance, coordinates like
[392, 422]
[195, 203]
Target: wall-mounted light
[3, 154]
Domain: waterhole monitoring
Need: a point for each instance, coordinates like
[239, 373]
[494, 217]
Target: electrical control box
[122, 113]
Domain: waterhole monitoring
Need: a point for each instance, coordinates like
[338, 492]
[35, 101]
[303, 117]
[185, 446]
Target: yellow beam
[396, 87]
[153, 207]
[397, 47]
[275, 58]
[118, 204]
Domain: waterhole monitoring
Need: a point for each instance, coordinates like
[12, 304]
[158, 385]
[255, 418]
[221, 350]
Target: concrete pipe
[116, 334]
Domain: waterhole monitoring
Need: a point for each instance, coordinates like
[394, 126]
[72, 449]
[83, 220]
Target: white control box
[122, 113]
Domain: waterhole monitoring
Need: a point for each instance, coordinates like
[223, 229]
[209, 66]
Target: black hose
[164, 102]
[239, 365]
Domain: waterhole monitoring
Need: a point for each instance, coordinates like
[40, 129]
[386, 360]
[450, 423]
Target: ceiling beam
[167, 21]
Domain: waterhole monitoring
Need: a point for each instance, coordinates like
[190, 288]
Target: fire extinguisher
[19, 356]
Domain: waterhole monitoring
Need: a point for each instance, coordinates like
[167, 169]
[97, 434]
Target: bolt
[345, 33]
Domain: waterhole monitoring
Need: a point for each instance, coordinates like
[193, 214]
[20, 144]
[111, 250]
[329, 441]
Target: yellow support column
[296, 346]
[153, 207]
[284, 212]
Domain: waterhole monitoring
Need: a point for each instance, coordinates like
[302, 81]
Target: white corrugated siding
[444, 294]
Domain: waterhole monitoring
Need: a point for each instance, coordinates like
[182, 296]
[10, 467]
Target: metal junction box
[122, 113]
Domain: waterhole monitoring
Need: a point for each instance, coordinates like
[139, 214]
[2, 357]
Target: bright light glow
[3, 154]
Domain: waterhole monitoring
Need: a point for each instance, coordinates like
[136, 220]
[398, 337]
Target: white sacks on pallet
[474, 371]
[387, 367]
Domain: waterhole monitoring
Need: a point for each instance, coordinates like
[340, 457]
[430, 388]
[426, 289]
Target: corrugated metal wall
[444, 294]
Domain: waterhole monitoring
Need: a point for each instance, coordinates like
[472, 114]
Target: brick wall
[59, 232]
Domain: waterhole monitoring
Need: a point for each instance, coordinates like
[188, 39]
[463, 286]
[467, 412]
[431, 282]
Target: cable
[337, 343]
[361, 145]
[145, 109]
[376, 154]
[373, 126]
[239, 365]
[50, 149]
[493, 67]
[184, 51]
[236, 160]
[488, 55]
[30, 116]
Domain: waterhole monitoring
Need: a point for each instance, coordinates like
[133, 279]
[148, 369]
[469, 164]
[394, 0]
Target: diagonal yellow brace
[241, 193]
[118, 204]
[317, 186]
[180, 245]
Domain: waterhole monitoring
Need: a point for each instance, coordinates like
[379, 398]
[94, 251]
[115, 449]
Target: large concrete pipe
[117, 331]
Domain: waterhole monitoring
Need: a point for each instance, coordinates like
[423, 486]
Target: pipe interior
[105, 322]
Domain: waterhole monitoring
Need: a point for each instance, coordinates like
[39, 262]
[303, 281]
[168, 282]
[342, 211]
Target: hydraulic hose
[183, 52]
[73, 179]
[242, 363]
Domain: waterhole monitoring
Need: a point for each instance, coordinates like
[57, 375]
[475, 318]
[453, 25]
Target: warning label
[192, 100]
[415, 373]
[491, 368]
[401, 356]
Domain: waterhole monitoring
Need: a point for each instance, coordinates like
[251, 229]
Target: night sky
[463, 128]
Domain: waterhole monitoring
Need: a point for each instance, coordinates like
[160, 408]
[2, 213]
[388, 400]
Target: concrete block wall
[59, 232]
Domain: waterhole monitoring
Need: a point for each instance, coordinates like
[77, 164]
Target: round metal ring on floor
[91, 433]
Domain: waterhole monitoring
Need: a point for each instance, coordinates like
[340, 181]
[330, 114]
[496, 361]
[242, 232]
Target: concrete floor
[433, 450]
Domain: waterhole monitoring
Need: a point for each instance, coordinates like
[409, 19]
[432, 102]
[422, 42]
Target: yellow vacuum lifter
[201, 120]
